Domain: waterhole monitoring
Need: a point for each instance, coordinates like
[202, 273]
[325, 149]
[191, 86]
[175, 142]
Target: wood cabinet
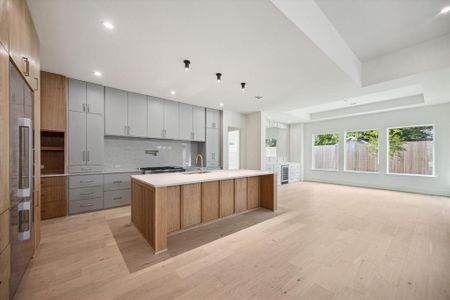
[240, 195]
[4, 25]
[53, 197]
[173, 208]
[210, 201]
[5, 270]
[253, 192]
[191, 205]
[4, 132]
[53, 102]
[125, 113]
[226, 197]
[4, 230]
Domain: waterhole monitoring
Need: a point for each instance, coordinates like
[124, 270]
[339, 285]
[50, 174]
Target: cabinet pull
[27, 66]
[128, 130]
[117, 181]
[87, 155]
[87, 105]
[84, 107]
[86, 169]
[36, 82]
[117, 198]
[86, 194]
[86, 205]
[214, 125]
[84, 155]
[86, 181]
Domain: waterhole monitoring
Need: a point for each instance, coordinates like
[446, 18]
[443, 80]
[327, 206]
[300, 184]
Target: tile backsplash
[129, 153]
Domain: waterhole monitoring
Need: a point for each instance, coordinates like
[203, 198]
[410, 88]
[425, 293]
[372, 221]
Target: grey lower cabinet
[99, 191]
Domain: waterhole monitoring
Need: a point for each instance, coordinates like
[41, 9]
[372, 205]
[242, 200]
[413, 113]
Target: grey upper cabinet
[186, 119]
[137, 115]
[212, 118]
[77, 138]
[77, 95]
[115, 112]
[155, 121]
[171, 120]
[213, 147]
[95, 98]
[198, 124]
[94, 139]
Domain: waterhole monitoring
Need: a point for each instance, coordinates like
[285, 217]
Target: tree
[398, 137]
[326, 139]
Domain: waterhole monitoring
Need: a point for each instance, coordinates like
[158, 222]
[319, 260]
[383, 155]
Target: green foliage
[398, 137]
[369, 136]
[326, 139]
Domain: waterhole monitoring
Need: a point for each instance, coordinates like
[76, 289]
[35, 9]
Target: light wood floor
[326, 242]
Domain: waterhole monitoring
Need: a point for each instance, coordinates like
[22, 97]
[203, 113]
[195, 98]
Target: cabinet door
[95, 98]
[18, 33]
[115, 112]
[77, 138]
[199, 122]
[77, 95]
[4, 24]
[155, 118]
[95, 139]
[213, 145]
[137, 115]
[186, 130]
[171, 120]
[212, 118]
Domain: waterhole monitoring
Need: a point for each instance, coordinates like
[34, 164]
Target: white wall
[439, 115]
[255, 141]
[296, 145]
[235, 120]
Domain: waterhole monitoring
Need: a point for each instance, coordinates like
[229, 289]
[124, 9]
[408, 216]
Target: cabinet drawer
[117, 198]
[114, 182]
[85, 169]
[85, 181]
[85, 205]
[85, 193]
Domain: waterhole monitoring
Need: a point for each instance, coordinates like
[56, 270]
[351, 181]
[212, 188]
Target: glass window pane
[326, 151]
[411, 150]
[361, 151]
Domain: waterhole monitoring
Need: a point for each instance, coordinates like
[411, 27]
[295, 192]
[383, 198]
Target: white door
[233, 149]
[171, 120]
[95, 139]
[95, 98]
[115, 112]
[199, 123]
[77, 95]
[186, 131]
[137, 115]
[77, 138]
[155, 119]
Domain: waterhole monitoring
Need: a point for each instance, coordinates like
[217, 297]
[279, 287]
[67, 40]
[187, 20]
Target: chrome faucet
[201, 161]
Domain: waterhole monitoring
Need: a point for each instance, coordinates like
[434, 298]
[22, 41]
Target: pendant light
[219, 77]
[186, 64]
[243, 86]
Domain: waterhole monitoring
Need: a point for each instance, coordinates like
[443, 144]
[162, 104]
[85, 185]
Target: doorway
[233, 148]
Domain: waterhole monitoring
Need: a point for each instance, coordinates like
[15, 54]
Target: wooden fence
[417, 158]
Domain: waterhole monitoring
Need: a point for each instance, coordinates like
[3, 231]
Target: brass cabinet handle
[36, 81]
[117, 198]
[27, 66]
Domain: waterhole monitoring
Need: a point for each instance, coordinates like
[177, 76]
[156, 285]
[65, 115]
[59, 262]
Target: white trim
[388, 146]
[378, 153]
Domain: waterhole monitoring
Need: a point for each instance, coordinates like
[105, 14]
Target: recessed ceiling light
[173, 92]
[108, 25]
[98, 73]
[445, 10]
[221, 104]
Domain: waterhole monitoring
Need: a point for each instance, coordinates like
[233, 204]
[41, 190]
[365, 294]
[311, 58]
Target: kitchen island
[163, 204]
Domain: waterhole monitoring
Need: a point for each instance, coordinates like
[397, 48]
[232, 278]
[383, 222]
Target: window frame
[313, 161]
[345, 153]
[389, 146]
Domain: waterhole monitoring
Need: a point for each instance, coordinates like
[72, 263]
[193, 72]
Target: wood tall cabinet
[20, 44]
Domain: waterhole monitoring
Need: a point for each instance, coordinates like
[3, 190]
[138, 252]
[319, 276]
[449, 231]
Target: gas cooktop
[165, 169]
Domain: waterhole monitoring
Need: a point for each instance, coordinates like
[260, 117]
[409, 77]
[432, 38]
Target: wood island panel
[5, 267]
[268, 192]
[4, 230]
[191, 204]
[53, 197]
[210, 201]
[173, 208]
[253, 192]
[226, 197]
[240, 195]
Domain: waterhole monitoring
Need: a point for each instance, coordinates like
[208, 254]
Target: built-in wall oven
[21, 176]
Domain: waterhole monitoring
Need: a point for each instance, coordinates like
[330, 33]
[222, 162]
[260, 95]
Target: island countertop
[171, 179]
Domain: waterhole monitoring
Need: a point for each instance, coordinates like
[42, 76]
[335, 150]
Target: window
[326, 151]
[361, 151]
[411, 150]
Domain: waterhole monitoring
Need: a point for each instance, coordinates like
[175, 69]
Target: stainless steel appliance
[21, 176]
[166, 169]
[284, 174]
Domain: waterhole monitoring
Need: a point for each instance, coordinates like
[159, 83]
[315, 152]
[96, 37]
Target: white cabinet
[155, 118]
[212, 118]
[198, 125]
[86, 126]
[171, 120]
[115, 112]
[186, 130]
[125, 113]
[137, 115]
[85, 97]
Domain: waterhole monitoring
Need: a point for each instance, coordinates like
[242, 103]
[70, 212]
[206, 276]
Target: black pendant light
[219, 77]
[186, 64]
[243, 86]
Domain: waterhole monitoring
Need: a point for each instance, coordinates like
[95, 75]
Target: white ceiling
[251, 41]
[373, 28]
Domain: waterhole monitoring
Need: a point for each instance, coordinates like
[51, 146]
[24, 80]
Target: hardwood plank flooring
[325, 242]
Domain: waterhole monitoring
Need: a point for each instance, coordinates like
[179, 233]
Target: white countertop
[171, 179]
